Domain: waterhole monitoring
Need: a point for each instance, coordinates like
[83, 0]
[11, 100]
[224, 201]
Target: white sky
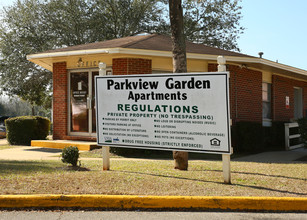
[275, 27]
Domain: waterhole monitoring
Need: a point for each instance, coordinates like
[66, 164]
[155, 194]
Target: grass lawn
[2, 147]
[154, 177]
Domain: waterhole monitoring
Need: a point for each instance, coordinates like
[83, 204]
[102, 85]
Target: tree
[68, 22]
[22, 33]
[179, 62]
[32, 26]
[213, 22]
[14, 106]
[114, 19]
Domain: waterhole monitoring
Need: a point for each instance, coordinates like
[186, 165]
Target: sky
[278, 28]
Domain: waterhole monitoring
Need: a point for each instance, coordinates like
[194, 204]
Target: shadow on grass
[45, 150]
[221, 183]
[256, 174]
[150, 154]
[168, 155]
[17, 167]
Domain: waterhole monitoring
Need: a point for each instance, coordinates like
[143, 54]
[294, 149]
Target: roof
[160, 46]
[148, 42]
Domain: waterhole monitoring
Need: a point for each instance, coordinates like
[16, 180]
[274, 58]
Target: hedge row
[253, 137]
[21, 130]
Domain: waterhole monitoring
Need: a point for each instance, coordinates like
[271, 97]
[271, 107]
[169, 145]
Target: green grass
[3, 147]
[153, 177]
[25, 168]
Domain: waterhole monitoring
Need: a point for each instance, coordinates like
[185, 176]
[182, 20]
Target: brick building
[261, 91]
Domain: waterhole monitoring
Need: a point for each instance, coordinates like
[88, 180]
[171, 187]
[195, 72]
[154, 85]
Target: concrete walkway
[3, 142]
[275, 156]
[28, 153]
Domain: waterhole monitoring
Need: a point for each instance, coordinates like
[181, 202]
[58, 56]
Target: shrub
[253, 137]
[70, 155]
[276, 136]
[43, 128]
[21, 130]
[302, 128]
[247, 137]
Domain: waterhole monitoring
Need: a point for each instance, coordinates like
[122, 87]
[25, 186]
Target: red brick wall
[60, 104]
[282, 87]
[121, 66]
[245, 93]
[60, 100]
[124, 66]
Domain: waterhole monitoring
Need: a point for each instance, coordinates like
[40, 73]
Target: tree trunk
[179, 62]
[33, 110]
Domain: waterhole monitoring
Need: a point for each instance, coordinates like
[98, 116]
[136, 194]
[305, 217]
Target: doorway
[298, 103]
[82, 115]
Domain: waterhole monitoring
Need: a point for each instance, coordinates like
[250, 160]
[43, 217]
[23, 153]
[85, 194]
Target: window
[266, 101]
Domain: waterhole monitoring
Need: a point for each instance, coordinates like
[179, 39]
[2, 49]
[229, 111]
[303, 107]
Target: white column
[105, 149]
[222, 64]
[226, 168]
[225, 157]
[102, 69]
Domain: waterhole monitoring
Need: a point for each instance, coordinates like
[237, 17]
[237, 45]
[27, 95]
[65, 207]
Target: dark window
[266, 101]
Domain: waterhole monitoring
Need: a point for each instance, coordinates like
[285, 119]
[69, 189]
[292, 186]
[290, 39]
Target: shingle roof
[149, 42]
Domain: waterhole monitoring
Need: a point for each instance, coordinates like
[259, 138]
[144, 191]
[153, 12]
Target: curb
[155, 202]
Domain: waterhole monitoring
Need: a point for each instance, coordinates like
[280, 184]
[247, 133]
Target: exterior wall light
[80, 62]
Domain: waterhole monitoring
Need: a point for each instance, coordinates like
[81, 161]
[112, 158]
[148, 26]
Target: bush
[21, 130]
[247, 137]
[302, 128]
[253, 137]
[70, 155]
[276, 136]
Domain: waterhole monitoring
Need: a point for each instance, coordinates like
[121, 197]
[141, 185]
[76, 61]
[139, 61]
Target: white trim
[63, 54]
[68, 103]
[283, 66]
[266, 122]
[255, 60]
[76, 133]
[90, 71]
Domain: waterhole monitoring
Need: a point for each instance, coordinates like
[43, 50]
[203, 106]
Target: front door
[82, 103]
[298, 103]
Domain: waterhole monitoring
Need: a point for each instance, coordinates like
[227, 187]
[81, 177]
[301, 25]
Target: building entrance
[82, 103]
[298, 103]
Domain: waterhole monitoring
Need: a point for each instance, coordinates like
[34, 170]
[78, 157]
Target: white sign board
[182, 112]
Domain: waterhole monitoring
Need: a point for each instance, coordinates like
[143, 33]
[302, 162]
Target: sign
[287, 102]
[182, 112]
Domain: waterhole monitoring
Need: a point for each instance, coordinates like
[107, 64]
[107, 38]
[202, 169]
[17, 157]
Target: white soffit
[143, 52]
